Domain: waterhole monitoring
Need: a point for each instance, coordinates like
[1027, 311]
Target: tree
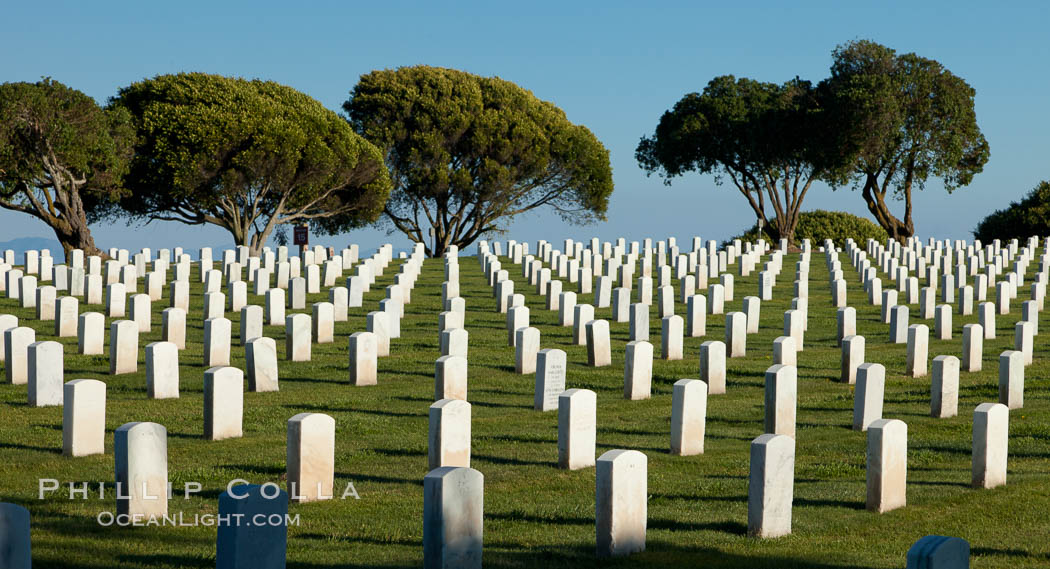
[901, 119]
[468, 153]
[61, 157]
[818, 225]
[768, 140]
[247, 156]
[1030, 216]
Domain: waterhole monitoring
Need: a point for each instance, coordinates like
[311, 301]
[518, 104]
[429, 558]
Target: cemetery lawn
[535, 514]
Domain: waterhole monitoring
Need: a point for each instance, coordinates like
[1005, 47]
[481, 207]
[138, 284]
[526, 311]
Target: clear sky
[612, 66]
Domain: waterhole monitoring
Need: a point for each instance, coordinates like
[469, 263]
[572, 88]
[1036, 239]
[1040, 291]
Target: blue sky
[612, 66]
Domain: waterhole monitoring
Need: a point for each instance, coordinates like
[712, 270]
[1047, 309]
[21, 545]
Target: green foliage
[900, 119]
[472, 152]
[819, 225]
[62, 157]
[247, 155]
[768, 139]
[1030, 216]
[735, 126]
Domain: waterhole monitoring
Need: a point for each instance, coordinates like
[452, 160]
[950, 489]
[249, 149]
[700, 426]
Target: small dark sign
[302, 235]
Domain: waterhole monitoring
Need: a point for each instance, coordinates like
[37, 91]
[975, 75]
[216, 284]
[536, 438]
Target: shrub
[819, 225]
[1030, 216]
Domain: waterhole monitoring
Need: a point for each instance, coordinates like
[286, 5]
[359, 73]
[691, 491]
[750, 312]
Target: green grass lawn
[535, 514]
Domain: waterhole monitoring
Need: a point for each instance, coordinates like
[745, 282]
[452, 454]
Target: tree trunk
[786, 225]
[75, 234]
[898, 230]
[258, 241]
[438, 250]
[772, 232]
[460, 242]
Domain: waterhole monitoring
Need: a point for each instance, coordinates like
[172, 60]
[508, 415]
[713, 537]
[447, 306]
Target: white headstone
[918, 350]
[621, 511]
[887, 465]
[527, 345]
[364, 358]
[781, 394]
[973, 347]
[449, 434]
[736, 334]
[1011, 379]
[91, 333]
[944, 397]
[123, 347]
[260, 355]
[323, 323]
[577, 428]
[454, 342]
[784, 351]
[688, 417]
[638, 330]
[771, 486]
[217, 333]
[450, 378]
[162, 370]
[297, 331]
[991, 430]
[713, 366]
[868, 396]
[45, 373]
[599, 351]
[550, 379]
[223, 403]
[671, 337]
[275, 306]
[84, 417]
[140, 451]
[174, 327]
[453, 518]
[310, 457]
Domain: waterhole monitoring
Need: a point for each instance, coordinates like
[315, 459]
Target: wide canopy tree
[468, 153]
[768, 140]
[901, 119]
[61, 157]
[1020, 220]
[247, 156]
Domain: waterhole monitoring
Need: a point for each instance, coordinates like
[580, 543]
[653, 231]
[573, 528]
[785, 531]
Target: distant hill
[23, 244]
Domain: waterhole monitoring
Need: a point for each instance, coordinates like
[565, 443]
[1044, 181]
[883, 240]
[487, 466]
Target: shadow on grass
[521, 438]
[531, 518]
[848, 504]
[172, 560]
[509, 460]
[938, 483]
[400, 452]
[734, 528]
[256, 469]
[413, 398]
[499, 405]
[331, 409]
[362, 539]
[345, 565]
[380, 479]
[30, 447]
[658, 553]
[980, 551]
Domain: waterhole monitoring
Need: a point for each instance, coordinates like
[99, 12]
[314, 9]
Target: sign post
[301, 237]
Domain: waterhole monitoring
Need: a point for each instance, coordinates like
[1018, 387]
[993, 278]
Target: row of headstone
[453, 512]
